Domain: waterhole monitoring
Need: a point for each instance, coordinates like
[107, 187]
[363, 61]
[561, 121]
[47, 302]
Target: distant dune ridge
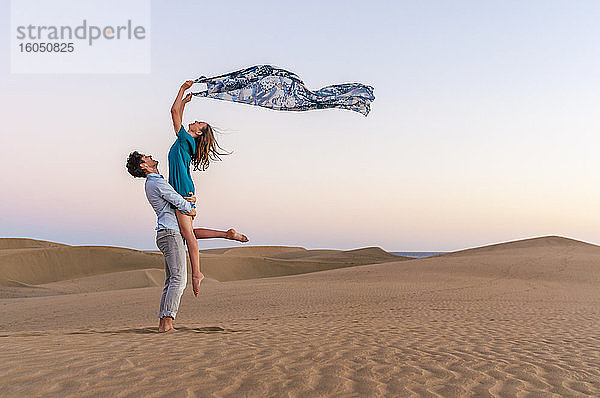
[261, 262]
[58, 268]
[25, 243]
[511, 319]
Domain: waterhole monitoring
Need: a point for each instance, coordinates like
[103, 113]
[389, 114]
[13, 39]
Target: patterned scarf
[275, 88]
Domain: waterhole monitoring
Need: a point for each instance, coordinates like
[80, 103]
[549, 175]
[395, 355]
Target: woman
[198, 146]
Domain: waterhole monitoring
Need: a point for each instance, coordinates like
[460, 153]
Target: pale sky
[484, 128]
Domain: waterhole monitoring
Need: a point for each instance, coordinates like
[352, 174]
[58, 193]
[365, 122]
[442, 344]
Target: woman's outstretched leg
[187, 231]
[231, 234]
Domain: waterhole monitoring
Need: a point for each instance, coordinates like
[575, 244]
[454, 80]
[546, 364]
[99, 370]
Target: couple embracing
[174, 204]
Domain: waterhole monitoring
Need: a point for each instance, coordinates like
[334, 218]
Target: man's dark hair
[133, 164]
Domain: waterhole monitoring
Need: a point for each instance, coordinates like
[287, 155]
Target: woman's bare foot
[233, 235]
[196, 280]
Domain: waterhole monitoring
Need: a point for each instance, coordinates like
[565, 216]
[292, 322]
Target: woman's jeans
[171, 244]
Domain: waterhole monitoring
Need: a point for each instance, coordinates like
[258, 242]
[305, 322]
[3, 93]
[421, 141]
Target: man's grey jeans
[170, 243]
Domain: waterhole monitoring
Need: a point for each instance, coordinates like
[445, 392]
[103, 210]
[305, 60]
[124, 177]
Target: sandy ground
[515, 319]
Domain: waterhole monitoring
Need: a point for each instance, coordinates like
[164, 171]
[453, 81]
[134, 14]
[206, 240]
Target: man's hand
[192, 213]
[187, 84]
[191, 198]
[186, 99]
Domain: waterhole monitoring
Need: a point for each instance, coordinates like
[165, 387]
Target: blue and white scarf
[275, 88]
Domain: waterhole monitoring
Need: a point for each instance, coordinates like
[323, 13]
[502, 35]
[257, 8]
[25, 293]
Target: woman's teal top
[180, 156]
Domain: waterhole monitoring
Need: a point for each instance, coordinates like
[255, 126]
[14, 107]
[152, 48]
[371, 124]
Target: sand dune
[543, 242]
[34, 266]
[526, 259]
[513, 319]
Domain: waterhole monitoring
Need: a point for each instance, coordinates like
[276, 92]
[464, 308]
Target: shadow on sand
[154, 330]
[148, 330]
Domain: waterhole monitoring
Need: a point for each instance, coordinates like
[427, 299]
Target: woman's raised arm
[179, 105]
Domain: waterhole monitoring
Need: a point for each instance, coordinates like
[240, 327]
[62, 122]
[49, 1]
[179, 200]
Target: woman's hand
[187, 98]
[187, 84]
[191, 198]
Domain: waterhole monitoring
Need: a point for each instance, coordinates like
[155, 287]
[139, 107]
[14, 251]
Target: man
[164, 200]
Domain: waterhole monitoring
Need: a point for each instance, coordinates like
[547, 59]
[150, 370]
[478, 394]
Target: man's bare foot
[233, 235]
[166, 325]
[196, 280]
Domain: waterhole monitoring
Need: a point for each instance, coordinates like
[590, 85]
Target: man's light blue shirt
[161, 196]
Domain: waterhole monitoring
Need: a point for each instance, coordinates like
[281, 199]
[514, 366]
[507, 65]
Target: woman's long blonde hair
[207, 149]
